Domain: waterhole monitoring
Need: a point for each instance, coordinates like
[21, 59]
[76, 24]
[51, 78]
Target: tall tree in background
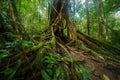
[99, 10]
[87, 15]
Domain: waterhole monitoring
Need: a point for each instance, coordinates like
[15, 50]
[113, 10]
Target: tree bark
[60, 21]
[87, 15]
[99, 9]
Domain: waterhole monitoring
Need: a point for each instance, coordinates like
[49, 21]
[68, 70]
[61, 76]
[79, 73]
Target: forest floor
[100, 70]
[98, 66]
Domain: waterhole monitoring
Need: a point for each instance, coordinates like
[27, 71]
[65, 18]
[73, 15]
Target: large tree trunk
[57, 15]
[99, 10]
[60, 21]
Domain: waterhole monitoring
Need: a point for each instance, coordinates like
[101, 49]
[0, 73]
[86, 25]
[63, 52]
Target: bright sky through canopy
[83, 1]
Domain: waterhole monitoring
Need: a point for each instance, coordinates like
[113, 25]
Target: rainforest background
[59, 39]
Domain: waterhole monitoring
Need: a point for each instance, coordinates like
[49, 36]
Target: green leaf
[26, 43]
[50, 72]
[10, 73]
[50, 59]
[3, 54]
[57, 73]
[12, 35]
[45, 75]
[85, 72]
[67, 58]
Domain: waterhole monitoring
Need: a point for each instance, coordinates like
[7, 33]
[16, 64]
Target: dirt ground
[100, 70]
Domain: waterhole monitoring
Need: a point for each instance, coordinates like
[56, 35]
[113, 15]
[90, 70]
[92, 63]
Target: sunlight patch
[117, 14]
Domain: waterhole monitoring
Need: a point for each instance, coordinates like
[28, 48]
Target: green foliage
[3, 53]
[63, 70]
[54, 66]
[10, 73]
[85, 72]
[45, 75]
[26, 43]
[111, 5]
[67, 58]
[12, 35]
[50, 59]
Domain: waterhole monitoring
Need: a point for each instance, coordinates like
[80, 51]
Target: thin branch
[19, 37]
